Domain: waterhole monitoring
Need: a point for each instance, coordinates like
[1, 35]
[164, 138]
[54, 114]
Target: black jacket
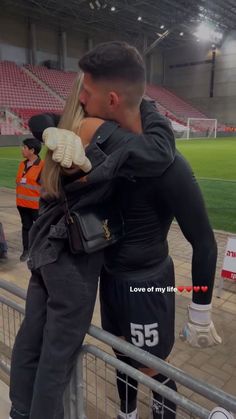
[114, 153]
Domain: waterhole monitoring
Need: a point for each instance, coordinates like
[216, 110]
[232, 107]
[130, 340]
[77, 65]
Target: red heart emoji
[181, 289]
[204, 289]
[196, 289]
[188, 289]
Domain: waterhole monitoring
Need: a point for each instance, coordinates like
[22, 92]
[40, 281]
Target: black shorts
[141, 307]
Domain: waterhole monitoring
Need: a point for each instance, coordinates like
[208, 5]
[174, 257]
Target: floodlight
[206, 32]
[218, 36]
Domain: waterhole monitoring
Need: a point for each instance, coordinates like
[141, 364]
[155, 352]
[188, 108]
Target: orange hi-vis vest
[27, 185]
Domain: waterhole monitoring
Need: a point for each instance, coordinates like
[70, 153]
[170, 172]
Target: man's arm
[149, 154]
[185, 200]
[132, 155]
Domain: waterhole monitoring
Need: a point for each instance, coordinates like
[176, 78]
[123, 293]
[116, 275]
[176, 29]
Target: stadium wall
[181, 75]
[155, 67]
[15, 41]
[222, 108]
[187, 72]
[47, 42]
[12, 140]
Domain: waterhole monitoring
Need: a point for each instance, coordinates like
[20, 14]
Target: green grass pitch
[213, 162]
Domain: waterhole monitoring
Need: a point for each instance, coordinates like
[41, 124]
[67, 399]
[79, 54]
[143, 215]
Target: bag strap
[69, 218]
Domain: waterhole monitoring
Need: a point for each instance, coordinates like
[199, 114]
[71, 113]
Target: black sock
[162, 407]
[127, 388]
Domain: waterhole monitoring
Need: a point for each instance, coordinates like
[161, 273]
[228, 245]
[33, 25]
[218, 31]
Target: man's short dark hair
[33, 143]
[114, 61]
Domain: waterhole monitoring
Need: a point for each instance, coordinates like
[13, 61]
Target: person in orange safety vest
[28, 189]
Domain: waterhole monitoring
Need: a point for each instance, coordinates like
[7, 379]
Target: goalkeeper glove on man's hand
[67, 148]
[200, 331]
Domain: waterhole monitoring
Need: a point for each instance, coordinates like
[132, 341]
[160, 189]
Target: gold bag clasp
[106, 230]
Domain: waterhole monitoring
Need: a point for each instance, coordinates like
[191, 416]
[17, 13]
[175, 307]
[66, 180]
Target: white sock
[131, 415]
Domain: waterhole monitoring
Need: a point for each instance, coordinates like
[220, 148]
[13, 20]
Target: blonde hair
[71, 118]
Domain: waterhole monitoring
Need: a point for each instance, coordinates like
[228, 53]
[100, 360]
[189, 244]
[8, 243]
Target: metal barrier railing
[198, 386]
[179, 400]
[12, 314]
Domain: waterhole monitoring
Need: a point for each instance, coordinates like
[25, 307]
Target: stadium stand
[25, 113]
[25, 97]
[6, 128]
[173, 103]
[59, 81]
[175, 108]
[178, 125]
[17, 89]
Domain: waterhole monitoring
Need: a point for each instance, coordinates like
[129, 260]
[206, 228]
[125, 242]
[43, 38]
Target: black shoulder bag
[93, 228]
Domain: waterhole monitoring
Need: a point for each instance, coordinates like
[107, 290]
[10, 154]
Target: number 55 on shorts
[144, 334]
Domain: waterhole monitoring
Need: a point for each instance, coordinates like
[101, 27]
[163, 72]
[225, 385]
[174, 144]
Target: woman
[61, 293]
[28, 189]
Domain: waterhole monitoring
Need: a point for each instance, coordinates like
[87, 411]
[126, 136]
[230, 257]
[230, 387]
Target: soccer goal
[201, 128]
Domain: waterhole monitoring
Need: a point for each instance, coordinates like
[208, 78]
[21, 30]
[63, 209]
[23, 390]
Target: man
[141, 261]
[148, 204]
[141, 258]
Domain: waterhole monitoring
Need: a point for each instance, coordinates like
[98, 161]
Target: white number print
[144, 334]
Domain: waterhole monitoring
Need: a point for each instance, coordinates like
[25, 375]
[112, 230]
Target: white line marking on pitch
[215, 178]
[6, 158]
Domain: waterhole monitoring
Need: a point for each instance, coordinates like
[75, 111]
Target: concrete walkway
[214, 365]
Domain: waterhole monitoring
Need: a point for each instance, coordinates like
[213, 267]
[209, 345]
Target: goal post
[201, 128]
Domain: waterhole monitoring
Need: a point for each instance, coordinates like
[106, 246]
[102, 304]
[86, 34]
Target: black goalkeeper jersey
[149, 206]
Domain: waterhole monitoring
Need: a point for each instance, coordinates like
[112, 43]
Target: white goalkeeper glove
[200, 331]
[67, 148]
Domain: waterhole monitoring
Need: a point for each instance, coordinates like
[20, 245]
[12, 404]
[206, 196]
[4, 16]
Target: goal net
[201, 128]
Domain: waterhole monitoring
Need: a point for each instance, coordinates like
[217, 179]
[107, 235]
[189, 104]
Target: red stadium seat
[59, 81]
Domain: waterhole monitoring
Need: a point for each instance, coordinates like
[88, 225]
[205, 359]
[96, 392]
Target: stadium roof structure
[146, 23]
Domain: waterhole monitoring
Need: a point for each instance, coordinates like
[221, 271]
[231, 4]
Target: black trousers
[59, 308]
[28, 216]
